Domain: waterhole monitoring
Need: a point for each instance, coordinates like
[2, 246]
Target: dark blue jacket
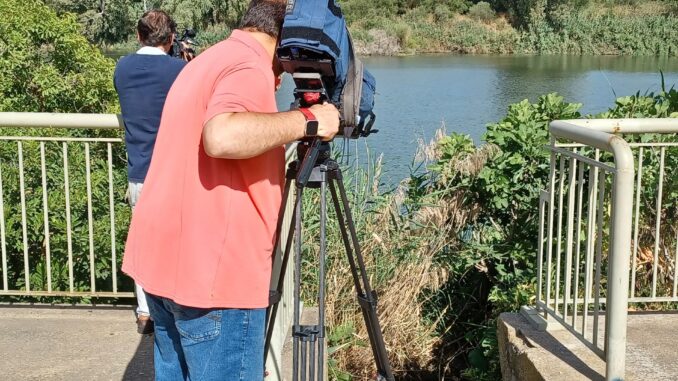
[142, 82]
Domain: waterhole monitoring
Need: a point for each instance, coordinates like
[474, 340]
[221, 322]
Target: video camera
[183, 45]
[312, 72]
[317, 50]
[316, 80]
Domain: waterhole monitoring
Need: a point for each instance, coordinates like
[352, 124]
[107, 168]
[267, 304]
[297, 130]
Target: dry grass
[667, 251]
[401, 256]
[644, 8]
[380, 43]
[641, 9]
[408, 338]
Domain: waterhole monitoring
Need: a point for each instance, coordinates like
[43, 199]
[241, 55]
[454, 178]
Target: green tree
[103, 21]
[46, 65]
[106, 22]
[202, 14]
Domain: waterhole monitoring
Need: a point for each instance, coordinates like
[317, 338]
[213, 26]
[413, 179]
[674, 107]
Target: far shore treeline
[402, 27]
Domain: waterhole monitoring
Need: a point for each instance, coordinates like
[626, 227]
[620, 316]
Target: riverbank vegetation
[525, 27]
[395, 27]
[455, 244]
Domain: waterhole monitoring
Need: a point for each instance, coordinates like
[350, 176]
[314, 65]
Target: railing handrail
[74, 120]
[598, 138]
[61, 120]
[627, 125]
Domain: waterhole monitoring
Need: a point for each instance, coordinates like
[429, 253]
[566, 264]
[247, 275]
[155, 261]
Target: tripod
[315, 169]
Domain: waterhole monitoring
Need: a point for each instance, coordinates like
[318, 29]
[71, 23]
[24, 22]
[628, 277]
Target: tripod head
[310, 90]
[311, 154]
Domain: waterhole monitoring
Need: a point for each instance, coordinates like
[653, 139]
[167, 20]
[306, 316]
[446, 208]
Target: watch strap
[308, 114]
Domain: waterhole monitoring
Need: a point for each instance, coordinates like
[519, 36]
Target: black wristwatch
[311, 123]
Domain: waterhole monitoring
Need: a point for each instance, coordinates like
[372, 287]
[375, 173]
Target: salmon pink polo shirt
[202, 233]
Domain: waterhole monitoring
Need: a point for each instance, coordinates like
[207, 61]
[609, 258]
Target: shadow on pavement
[140, 367]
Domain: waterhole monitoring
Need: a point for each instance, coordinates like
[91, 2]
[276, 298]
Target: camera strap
[350, 96]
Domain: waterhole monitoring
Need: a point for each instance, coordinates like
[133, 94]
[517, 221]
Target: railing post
[619, 257]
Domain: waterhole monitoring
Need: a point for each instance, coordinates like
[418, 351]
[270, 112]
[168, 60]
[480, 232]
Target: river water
[417, 95]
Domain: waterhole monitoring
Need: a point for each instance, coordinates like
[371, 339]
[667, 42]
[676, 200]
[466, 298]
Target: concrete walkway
[556, 354]
[50, 343]
[73, 344]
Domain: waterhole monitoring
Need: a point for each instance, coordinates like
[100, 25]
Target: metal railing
[47, 177]
[592, 213]
[63, 212]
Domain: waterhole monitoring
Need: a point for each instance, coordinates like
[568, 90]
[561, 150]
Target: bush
[403, 32]
[46, 65]
[482, 11]
[114, 23]
[464, 35]
[212, 35]
[459, 6]
[442, 13]
[602, 31]
[622, 2]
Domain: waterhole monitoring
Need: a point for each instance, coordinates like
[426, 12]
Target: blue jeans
[200, 344]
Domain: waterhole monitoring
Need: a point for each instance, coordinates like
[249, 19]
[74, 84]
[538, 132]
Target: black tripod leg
[297, 286]
[275, 296]
[366, 297]
[321, 276]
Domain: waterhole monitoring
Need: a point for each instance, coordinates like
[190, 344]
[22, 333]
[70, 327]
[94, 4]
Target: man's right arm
[242, 135]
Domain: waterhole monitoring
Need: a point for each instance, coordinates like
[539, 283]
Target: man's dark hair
[156, 28]
[265, 16]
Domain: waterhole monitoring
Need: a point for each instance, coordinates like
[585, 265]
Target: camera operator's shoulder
[123, 60]
[123, 63]
[177, 62]
[229, 49]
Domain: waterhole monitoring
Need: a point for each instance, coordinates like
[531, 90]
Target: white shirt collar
[151, 51]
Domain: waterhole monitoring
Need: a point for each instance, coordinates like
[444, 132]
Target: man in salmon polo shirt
[202, 234]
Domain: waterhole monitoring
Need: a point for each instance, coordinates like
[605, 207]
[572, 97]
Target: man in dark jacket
[142, 81]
